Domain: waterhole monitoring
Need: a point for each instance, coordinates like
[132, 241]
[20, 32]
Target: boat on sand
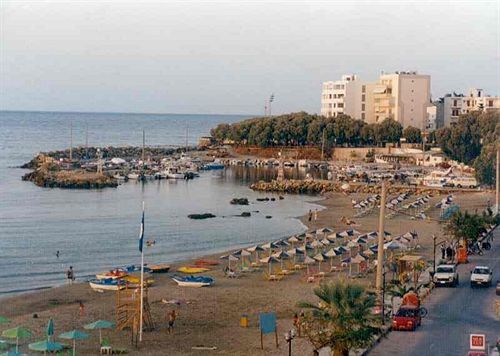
[106, 284]
[193, 281]
[161, 268]
[192, 270]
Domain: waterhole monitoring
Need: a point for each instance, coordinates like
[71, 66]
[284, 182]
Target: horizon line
[117, 112]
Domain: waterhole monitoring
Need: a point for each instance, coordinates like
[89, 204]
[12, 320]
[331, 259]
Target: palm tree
[343, 318]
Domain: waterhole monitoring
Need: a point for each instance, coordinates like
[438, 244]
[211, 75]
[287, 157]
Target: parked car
[481, 276]
[446, 275]
[407, 318]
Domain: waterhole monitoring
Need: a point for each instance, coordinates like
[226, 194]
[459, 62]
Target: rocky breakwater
[47, 172]
[296, 186]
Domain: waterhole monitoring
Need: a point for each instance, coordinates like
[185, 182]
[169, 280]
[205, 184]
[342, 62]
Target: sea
[96, 230]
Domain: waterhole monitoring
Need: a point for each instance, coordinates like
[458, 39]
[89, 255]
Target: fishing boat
[193, 281]
[106, 284]
[132, 281]
[192, 270]
[162, 268]
[173, 173]
[133, 176]
[113, 274]
[135, 268]
[203, 262]
[215, 165]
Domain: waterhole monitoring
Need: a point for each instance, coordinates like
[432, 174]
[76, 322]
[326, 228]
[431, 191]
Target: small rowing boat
[193, 281]
[161, 268]
[106, 284]
[192, 270]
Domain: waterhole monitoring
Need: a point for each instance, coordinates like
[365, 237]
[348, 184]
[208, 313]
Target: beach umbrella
[45, 346]
[17, 333]
[242, 254]
[316, 244]
[229, 258]
[354, 232]
[320, 258]
[325, 241]
[99, 325]
[255, 249]
[294, 252]
[293, 240]
[394, 245]
[11, 353]
[4, 320]
[74, 335]
[269, 246]
[308, 261]
[281, 255]
[50, 328]
[269, 261]
[331, 253]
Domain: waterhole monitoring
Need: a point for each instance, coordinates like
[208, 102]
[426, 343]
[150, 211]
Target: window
[362, 107]
[363, 89]
[455, 112]
[340, 105]
[363, 97]
[454, 103]
[490, 103]
[362, 116]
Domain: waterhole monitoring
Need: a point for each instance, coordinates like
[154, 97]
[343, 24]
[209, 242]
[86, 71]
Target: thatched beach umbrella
[242, 254]
[256, 249]
[308, 261]
[269, 261]
[293, 240]
[316, 245]
[281, 255]
[229, 258]
[331, 254]
[269, 246]
[294, 252]
[320, 258]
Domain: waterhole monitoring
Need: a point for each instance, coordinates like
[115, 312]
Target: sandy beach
[211, 316]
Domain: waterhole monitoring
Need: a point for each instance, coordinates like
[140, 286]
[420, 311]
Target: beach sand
[212, 316]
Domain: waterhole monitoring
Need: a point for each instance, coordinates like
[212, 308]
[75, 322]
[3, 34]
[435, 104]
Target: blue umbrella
[74, 335]
[45, 346]
[100, 324]
[50, 329]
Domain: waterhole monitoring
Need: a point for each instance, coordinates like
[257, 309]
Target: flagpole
[142, 277]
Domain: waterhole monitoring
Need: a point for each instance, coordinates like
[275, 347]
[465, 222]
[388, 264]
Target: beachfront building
[342, 97]
[454, 105]
[431, 124]
[402, 96]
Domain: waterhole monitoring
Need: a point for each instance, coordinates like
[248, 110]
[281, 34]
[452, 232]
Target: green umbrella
[99, 324]
[17, 333]
[74, 335]
[50, 329]
[45, 346]
[4, 320]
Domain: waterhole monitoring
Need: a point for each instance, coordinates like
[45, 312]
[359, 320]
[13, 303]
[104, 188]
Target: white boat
[133, 176]
[106, 284]
[192, 281]
[173, 173]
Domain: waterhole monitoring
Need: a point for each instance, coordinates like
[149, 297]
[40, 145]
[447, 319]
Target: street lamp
[289, 336]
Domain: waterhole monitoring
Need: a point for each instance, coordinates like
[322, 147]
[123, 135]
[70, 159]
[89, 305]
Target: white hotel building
[402, 96]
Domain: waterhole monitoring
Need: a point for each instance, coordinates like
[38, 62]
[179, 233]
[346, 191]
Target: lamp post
[289, 336]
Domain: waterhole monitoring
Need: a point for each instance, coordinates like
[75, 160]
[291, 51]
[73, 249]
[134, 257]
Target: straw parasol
[229, 258]
[256, 249]
[281, 255]
[269, 261]
[293, 240]
[17, 333]
[320, 258]
[331, 254]
[99, 325]
[74, 335]
[308, 261]
[242, 254]
[269, 246]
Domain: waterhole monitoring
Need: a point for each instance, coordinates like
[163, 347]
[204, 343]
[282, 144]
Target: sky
[227, 57]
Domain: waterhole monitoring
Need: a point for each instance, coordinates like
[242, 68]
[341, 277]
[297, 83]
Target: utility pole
[323, 145]
[497, 198]
[71, 141]
[381, 236]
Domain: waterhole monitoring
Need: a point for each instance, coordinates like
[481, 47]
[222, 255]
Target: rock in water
[201, 216]
[246, 214]
[239, 201]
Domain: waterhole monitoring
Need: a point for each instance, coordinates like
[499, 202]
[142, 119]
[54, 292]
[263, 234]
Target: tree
[389, 131]
[412, 135]
[465, 227]
[485, 165]
[342, 319]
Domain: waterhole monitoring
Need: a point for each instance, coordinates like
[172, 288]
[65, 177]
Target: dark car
[407, 318]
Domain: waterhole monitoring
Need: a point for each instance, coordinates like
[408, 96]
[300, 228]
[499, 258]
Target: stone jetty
[47, 173]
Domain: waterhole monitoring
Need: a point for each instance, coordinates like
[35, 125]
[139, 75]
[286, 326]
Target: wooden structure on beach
[128, 311]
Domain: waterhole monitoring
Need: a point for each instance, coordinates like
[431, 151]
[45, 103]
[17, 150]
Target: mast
[87, 140]
[71, 141]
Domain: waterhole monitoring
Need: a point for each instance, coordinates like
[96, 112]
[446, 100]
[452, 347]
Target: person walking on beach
[310, 215]
[70, 275]
[315, 214]
[81, 309]
[171, 321]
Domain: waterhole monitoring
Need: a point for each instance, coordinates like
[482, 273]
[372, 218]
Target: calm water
[96, 230]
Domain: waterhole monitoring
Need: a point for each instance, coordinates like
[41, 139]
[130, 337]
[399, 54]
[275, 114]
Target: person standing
[81, 309]
[172, 316]
[315, 214]
[70, 275]
[310, 215]
[443, 252]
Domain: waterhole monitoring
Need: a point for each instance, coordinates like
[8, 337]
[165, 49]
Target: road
[454, 313]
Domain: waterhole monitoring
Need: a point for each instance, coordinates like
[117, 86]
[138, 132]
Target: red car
[407, 318]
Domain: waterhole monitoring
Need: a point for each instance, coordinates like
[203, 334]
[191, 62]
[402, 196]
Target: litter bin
[244, 321]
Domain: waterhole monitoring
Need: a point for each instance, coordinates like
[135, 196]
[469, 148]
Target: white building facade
[342, 97]
[455, 105]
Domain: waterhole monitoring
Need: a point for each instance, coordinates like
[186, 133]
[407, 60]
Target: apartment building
[342, 97]
[402, 96]
[454, 105]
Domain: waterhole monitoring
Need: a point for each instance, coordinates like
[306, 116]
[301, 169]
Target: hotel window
[363, 97]
[362, 107]
[363, 89]
[362, 116]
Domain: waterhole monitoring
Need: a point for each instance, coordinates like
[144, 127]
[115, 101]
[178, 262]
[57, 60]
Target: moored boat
[113, 274]
[193, 281]
[192, 270]
[161, 268]
[106, 284]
